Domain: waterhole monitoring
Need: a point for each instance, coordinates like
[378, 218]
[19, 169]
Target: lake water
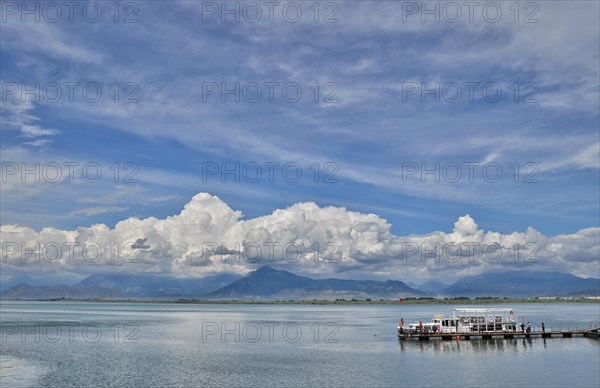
[68, 344]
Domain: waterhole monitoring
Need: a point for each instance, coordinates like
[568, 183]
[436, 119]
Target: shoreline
[426, 301]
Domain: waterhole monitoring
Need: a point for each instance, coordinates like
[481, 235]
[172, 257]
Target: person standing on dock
[543, 328]
[523, 327]
[421, 326]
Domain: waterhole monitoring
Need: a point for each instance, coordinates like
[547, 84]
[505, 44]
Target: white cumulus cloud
[208, 236]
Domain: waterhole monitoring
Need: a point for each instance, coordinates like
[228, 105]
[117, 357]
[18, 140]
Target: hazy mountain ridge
[519, 283]
[268, 283]
[9, 283]
[160, 285]
[433, 287]
[25, 291]
[122, 286]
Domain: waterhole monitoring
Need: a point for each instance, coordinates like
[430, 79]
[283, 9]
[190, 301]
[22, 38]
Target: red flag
[401, 300]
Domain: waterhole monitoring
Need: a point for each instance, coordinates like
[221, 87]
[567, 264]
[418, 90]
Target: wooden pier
[591, 333]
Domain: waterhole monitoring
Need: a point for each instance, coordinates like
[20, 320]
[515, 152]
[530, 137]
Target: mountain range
[159, 285]
[520, 283]
[267, 283]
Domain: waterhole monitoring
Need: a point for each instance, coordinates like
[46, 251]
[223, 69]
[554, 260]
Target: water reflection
[488, 345]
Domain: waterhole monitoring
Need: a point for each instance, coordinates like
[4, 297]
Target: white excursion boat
[466, 321]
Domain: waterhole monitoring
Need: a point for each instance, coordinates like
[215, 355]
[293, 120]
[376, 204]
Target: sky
[360, 129]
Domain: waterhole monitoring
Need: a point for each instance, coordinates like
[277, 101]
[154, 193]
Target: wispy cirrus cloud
[18, 115]
[369, 133]
[97, 210]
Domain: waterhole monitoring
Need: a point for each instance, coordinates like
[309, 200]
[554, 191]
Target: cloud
[164, 198]
[97, 210]
[140, 243]
[48, 40]
[38, 143]
[369, 134]
[17, 115]
[120, 194]
[208, 236]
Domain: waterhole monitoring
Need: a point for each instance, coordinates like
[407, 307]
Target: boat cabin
[469, 320]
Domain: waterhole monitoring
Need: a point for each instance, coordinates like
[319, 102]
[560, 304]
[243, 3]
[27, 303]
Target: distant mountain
[5, 284]
[523, 283]
[123, 286]
[8, 283]
[268, 283]
[433, 287]
[25, 291]
[159, 285]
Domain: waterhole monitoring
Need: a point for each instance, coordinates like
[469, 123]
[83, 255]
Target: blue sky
[370, 136]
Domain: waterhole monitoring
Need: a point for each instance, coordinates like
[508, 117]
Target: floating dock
[590, 333]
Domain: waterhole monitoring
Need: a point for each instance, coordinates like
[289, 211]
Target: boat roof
[482, 310]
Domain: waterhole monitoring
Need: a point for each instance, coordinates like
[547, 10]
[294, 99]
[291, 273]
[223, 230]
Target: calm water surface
[67, 344]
